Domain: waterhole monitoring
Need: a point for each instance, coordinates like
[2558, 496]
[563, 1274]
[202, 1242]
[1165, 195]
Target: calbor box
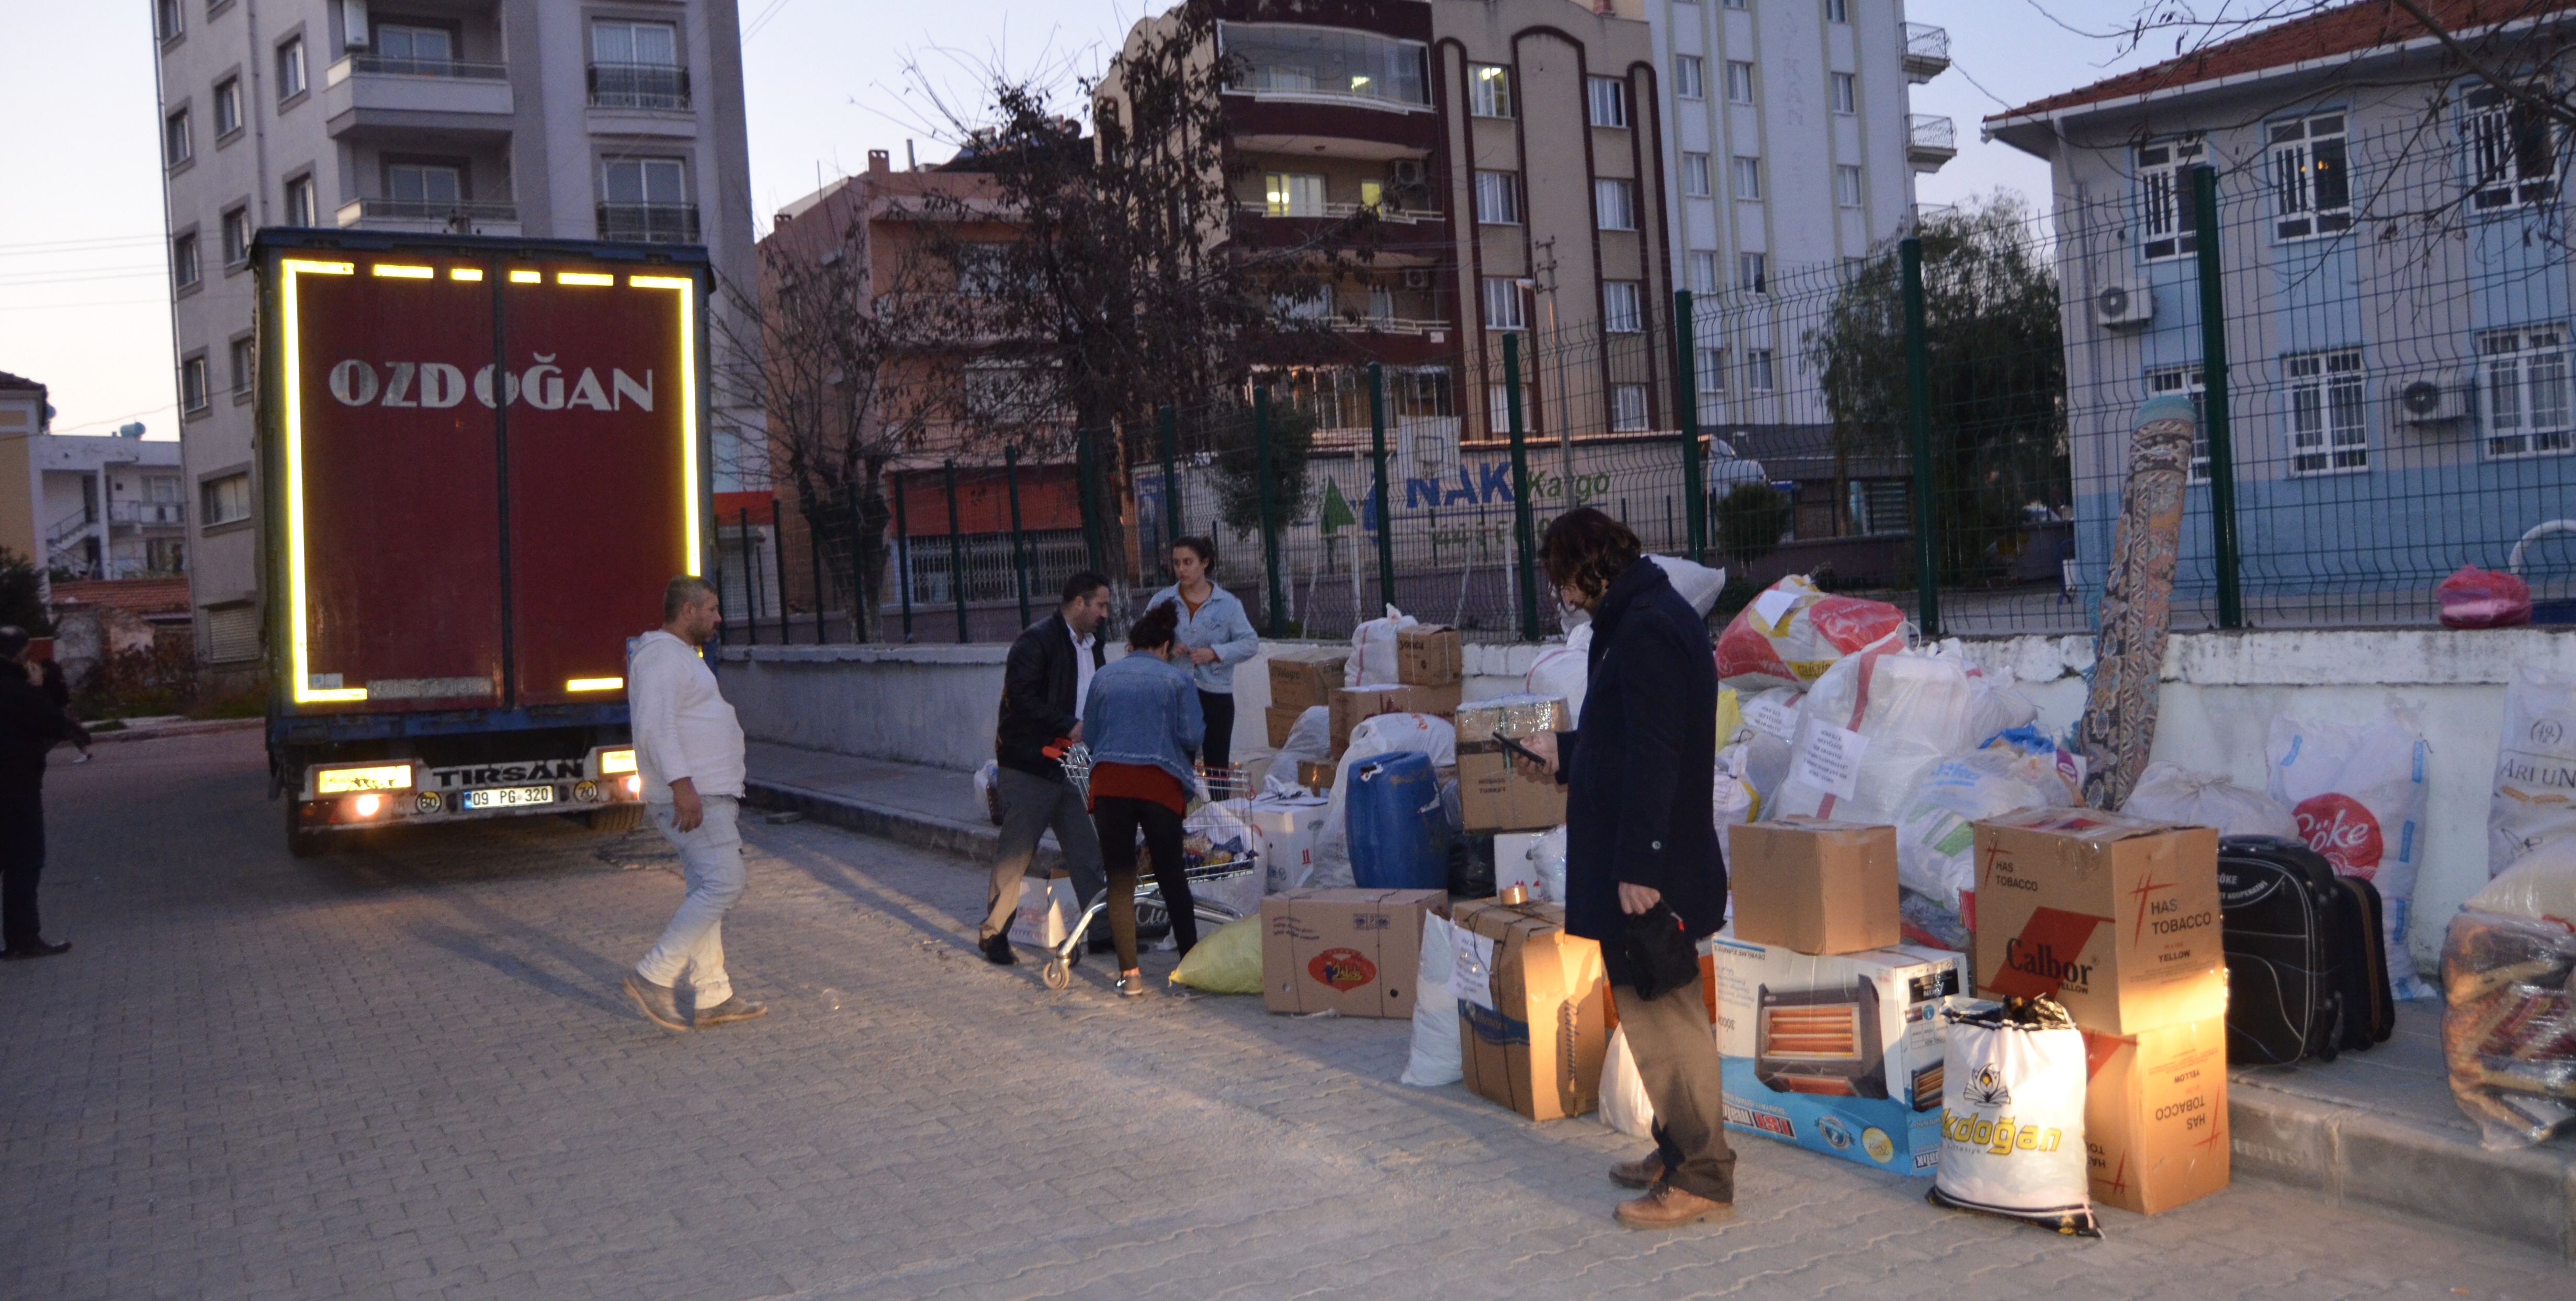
[1353, 952]
[1840, 1053]
[2114, 917]
[1533, 1008]
[2155, 1115]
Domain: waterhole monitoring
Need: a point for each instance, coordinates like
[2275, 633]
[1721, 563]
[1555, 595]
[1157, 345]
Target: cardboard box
[1532, 1009]
[1315, 775]
[1047, 912]
[1281, 722]
[2155, 1115]
[1499, 790]
[1428, 655]
[1355, 705]
[1304, 677]
[1839, 1053]
[1286, 827]
[2113, 917]
[1816, 887]
[1354, 952]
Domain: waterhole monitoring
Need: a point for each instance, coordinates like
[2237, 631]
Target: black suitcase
[2306, 973]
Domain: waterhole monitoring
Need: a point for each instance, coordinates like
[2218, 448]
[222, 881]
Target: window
[1757, 370]
[1703, 271]
[232, 633]
[2185, 381]
[1739, 82]
[290, 69]
[1837, 11]
[1846, 93]
[1498, 410]
[1304, 302]
[425, 186]
[192, 384]
[228, 107]
[1695, 175]
[1748, 178]
[2311, 193]
[1372, 197]
[1615, 202]
[1627, 408]
[301, 210]
[662, 181]
[1847, 185]
[1622, 307]
[170, 18]
[1607, 100]
[183, 261]
[2525, 374]
[1686, 77]
[1498, 198]
[2327, 432]
[423, 51]
[224, 500]
[1503, 304]
[2513, 153]
[1734, 4]
[1489, 90]
[1751, 275]
[981, 269]
[176, 147]
[1712, 370]
[636, 65]
[1295, 59]
[237, 237]
[1292, 194]
[245, 372]
[2164, 197]
[656, 44]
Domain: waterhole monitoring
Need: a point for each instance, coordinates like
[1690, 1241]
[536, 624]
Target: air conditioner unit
[1405, 173]
[2123, 306]
[2429, 399]
[1417, 277]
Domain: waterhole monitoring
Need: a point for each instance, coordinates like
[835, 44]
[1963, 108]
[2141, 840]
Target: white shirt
[683, 727]
[1082, 669]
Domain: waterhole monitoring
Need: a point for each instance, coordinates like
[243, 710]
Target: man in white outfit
[688, 746]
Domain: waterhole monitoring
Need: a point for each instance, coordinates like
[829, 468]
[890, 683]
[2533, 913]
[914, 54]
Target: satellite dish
[2112, 303]
[2421, 399]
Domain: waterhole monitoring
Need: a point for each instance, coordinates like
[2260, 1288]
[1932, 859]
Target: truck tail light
[635, 788]
[367, 805]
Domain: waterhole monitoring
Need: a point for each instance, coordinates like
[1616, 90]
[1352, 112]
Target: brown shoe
[1644, 1172]
[733, 1009]
[1668, 1207]
[659, 1005]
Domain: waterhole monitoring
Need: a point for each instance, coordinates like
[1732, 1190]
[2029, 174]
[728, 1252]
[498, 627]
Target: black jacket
[1037, 696]
[30, 724]
[1644, 754]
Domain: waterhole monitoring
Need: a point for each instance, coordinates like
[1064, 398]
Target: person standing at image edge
[30, 725]
[1641, 846]
[1141, 721]
[1215, 634]
[1045, 679]
[688, 749]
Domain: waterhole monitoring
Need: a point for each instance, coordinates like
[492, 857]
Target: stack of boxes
[2118, 920]
[1301, 678]
[1499, 791]
[1429, 679]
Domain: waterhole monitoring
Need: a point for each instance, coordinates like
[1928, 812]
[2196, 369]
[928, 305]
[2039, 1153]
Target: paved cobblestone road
[405, 1072]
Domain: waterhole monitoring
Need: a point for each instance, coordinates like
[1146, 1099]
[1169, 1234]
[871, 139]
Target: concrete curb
[976, 842]
[179, 729]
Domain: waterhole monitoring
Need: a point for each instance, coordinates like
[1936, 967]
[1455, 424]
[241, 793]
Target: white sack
[2540, 886]
[1310, 739]
[2012, 1116]
[1564, 672]
[2169, 792]
[1936, 843]
[1873, 727]
[2358, 794]
[1697, 583]
[1734, 801]
[1436, 1060]
[1624, 1104]
[1547, 857]
[1792, 633]
[1372, 661]
[1384, 734]
[2534, 801]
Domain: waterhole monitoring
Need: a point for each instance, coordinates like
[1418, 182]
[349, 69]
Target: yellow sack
[1730, 716]
[1228, 962]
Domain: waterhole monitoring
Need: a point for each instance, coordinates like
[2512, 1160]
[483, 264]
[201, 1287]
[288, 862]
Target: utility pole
[1556, 355]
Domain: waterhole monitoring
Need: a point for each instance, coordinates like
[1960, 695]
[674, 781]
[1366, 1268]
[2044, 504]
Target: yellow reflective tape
[309, 267]
[583, 278]
[687, 289]
[390, 271]
[465, 273]
[596, 684]
[527, 278]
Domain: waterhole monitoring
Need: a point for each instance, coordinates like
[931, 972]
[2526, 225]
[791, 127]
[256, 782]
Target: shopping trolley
[1220, 783]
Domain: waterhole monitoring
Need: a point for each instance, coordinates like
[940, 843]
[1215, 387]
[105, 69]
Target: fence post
[1385, 510]
[903, 552]
[1269, 490]
[814, 558]
[2213, 380]
[778, 562]
[750, 576]
[1686, 395]
[1085, 463]
[1171, 478]
[1918, 419]
[1019, 540]
[1521, 525]
[956, 548]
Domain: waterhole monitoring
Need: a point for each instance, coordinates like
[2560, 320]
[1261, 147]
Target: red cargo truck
[481, 460]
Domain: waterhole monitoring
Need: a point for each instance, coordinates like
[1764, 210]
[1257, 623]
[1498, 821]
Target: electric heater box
[1841, 1053]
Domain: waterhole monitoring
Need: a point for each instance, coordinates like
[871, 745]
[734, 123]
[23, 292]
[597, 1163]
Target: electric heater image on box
[1820, 1041]
[1927, 1088]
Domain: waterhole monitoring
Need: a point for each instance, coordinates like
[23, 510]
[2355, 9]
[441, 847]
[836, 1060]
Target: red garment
[1138, 781]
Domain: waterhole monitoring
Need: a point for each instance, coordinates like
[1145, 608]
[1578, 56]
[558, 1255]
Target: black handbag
[1659, 958]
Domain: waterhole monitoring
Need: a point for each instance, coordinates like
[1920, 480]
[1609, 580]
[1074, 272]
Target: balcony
[649, 223]
[1333, 65]
[1927, 52]
[657, 86]
[1339, 212]
[149, 514]
[364, 91]
[1930, 140]
[1390, 325]
[430, 216]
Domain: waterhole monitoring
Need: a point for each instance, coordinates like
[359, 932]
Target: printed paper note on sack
[1829, 759]
[1772, 719]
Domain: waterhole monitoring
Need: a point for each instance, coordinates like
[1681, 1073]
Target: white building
[545, 118]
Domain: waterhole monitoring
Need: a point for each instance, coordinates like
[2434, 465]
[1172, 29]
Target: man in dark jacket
[1641, 845]
[1049, 668]
[30, 724]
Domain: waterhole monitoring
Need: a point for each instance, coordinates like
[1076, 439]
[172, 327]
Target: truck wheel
[623, 817]
[299, 842]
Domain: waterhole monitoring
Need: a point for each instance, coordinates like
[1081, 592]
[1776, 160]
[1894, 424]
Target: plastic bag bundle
[1547, 858]
[2483, 598]
[1734, 802]
[2171, 793]
[1372, 661]
[2358, 794]
[1227, 962]
[1436, 1059]
[2012, 1117]
[1936, 836]
[1564, 671]
[1624, 1104]
[1384, 734]
[1310, 740]
[2541, 885]
[1693, 581]
[1792, 633]
[1874, 726]
[2534, 801]
[2509, 1032]
[988, 789]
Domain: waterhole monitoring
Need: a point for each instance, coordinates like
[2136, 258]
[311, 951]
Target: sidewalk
[2375, 1129]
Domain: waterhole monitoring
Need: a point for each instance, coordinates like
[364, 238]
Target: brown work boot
[736, 1008]
[660, 1006]
[1668, 1207]
[1644, 1172]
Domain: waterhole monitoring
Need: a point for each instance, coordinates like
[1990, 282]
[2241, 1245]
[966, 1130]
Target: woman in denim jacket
[1141, 721]
[1215, 635]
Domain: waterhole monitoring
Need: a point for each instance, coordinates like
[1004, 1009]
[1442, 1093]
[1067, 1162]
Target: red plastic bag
[2483, 598]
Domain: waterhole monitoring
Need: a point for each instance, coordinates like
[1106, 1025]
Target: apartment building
[620, 120]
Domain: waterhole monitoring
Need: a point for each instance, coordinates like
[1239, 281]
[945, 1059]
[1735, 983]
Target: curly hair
[1587, 551]
[1156, 628]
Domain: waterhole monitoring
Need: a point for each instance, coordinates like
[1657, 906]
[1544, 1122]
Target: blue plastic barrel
[1398, 833]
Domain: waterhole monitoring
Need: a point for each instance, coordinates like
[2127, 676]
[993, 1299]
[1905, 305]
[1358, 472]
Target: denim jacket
[1143, 710]
[1220, 625]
